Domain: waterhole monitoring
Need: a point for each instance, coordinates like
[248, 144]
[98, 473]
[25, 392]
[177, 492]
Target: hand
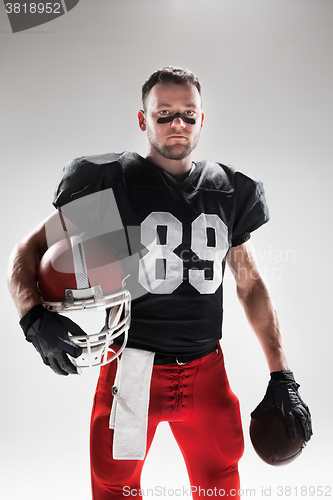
[282, 392]
[48, 332]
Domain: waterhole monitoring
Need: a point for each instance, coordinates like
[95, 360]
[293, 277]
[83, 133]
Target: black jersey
[172, 236]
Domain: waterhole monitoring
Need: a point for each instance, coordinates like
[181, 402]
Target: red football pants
[204, 416]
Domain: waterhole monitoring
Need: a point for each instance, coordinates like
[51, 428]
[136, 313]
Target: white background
[72, 87]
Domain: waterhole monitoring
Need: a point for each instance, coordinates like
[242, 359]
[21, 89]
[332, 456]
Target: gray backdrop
[72, 87]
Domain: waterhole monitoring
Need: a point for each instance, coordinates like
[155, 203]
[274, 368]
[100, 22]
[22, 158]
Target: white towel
[129, 413]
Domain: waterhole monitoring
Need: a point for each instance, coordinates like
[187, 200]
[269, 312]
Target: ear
[202, 119]
[142, 120]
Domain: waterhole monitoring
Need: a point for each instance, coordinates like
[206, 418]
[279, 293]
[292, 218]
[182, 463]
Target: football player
[181, 221]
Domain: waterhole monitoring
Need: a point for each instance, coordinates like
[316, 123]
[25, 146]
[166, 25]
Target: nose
[178, 122]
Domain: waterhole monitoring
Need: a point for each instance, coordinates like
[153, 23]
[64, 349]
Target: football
[270, 440]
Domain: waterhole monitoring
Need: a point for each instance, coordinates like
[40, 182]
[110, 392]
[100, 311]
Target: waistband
[162, 359]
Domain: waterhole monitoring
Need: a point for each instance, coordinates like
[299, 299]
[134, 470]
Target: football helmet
[76, 277]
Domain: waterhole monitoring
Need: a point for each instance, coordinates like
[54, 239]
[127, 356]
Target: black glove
[48, 332]
[282, 392]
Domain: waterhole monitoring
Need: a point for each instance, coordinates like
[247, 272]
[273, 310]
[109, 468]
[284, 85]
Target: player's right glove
[282, 392]
[48, 332]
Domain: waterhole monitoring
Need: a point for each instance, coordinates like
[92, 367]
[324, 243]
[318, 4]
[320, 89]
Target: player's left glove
[282, 392]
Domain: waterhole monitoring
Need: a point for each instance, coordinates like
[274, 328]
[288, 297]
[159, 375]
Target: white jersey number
[172, 263]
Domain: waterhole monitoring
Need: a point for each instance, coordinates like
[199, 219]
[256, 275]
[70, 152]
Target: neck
[173, 167]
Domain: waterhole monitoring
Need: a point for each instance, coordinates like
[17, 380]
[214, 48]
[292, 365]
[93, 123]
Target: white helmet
[76, 275]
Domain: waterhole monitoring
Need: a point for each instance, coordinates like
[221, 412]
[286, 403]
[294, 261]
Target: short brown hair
[169, 74]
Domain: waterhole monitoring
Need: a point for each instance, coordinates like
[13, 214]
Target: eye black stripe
[168, 119]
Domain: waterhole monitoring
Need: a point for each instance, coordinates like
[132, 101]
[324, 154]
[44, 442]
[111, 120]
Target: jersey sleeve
[85, 195]
[251, 209]
[80, 177]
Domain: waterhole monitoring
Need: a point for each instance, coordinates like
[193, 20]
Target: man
[192, 217]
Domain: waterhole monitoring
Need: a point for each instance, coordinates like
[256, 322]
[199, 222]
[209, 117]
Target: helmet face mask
[87, 305]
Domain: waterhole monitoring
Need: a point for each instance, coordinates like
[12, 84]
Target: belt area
[181, 359]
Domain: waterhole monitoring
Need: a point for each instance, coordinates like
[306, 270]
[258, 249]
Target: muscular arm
[256, 301]
[282, 390]
[23, 263]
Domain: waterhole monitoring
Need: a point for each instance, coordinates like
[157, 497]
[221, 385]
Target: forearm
[21, 276]
[262, 317]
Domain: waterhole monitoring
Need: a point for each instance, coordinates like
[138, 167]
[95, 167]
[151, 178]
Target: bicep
[25, 257]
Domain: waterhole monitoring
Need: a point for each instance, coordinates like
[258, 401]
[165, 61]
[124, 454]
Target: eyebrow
[165, 105]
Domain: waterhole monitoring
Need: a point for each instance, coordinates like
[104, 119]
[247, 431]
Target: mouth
[177, 136]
